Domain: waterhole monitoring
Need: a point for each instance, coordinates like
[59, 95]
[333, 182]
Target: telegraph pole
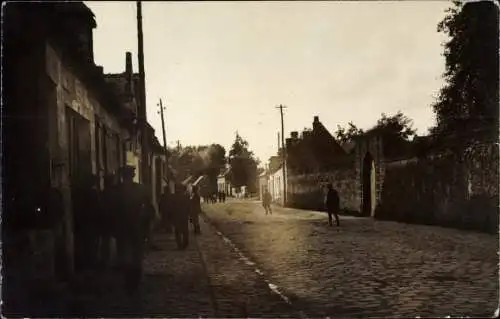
[283, 151]
[144, 175]
[278, 141]
[164, 138]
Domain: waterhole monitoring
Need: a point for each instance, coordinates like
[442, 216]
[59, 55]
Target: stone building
[263, 184]
[274, 179]
[62, 122]
[384, 176]
[224, 182]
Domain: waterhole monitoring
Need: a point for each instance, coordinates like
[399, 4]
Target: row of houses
[64, 119]
[382, 176]
[314, 151]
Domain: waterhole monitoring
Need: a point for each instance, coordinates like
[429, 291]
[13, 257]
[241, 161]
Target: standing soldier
[332, 203]
[108, 211]
[266, 202]
[86, 222]
[195, 210]
[165, 206]
[181, 216]
[134, 209]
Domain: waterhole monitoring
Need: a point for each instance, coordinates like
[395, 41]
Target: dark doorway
[79, 145]
[368, 185]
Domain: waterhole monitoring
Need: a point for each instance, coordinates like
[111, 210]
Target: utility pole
[278, 142]
[144, 175]
[283, 151]
[164, 138]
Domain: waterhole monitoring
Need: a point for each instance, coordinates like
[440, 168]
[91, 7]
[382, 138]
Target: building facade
[65, 121]
[224, 182]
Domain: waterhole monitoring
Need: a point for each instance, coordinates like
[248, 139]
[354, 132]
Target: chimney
[128, 63]
[128, 74]
[316, 122]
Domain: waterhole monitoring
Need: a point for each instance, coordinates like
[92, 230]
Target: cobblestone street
[367, 267]
[206, 280]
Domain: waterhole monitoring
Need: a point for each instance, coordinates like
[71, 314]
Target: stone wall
[444, 190]
[371, 145]
[306, 191]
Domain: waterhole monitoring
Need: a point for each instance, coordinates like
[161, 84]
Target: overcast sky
[222, 67]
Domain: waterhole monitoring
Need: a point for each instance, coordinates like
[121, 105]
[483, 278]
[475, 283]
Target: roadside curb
[272, 287]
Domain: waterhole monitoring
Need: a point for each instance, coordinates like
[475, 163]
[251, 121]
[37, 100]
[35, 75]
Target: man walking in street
[86, 207]
[181, 216]
[165, 206]
[332, 203]
[134, 209]
[195, 210]
[108, 212]
[266, 202]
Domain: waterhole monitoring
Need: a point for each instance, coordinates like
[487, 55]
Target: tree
[469, 99]
[342, 135]
[198, 160]
[397, 126]
[243, 164]
[213, 159]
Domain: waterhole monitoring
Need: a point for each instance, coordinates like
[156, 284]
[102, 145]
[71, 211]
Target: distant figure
[332, 204]
[195, 210]
[181, 216]
[165, 206]
[266, 202]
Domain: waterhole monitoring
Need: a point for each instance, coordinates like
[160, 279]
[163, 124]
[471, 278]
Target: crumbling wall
[307, 191]
[445, 190]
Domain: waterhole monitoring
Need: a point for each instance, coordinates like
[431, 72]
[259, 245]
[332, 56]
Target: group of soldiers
[178, 210]
[123, 211]
[214, 197]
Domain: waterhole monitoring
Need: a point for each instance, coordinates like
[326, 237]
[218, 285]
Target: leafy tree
[198, 160]
[213, 159]
[397, 126]
[243, 164]
[342, 135]
[469, 99]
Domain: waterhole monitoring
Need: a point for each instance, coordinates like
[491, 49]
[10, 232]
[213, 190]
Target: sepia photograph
[250, 159]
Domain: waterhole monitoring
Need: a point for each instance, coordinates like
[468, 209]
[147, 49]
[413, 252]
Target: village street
[365, 268]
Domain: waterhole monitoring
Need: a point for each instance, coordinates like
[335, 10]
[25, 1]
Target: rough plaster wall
[276, 187]
[73, 93]
[431, 191]
[306, 191]
[373, 145]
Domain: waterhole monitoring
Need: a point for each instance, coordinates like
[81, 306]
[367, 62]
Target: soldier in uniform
[165, 206]
[86, 207]
[266, 202]
[332, 203]
[134, 209]
[181, 216]
[108, 211]
[195, 210]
